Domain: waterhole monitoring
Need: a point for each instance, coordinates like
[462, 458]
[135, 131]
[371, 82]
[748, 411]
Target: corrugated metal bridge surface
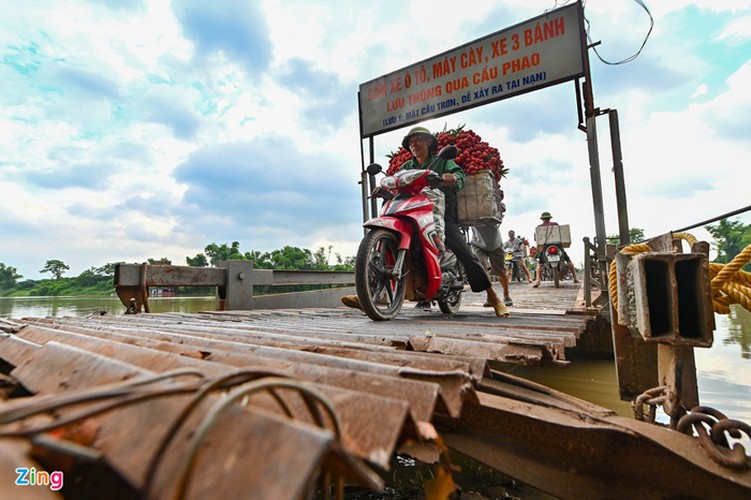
[327, 392]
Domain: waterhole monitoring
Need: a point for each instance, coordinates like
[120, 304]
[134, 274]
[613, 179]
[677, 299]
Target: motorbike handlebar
[434, 180]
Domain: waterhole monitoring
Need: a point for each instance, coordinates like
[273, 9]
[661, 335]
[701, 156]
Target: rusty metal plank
[456, 386]
[240, 322]
[132, 275]
[281, 442]
[292, 277]
[181, 333]
[14, 349]
[383, 397]
[420, 394]
[492, 351]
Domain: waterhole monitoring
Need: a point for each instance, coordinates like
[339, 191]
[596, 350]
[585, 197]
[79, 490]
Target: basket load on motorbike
[553, 262]
[480, 201]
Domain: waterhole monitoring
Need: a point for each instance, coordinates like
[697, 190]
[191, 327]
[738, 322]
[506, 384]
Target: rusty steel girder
[664, 310]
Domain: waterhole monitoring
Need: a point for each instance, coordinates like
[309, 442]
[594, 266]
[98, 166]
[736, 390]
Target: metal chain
[714, 440]
[653, 398]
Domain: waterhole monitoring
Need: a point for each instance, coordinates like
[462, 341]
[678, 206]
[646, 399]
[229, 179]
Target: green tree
[346, 264]
[106, 271]
[730, 237]
[8, 276]
[199, 260]
[217, 253]
[261, 260]
[56, 268]
[96, 277]
[292, 258]
[88, 278]
[163, 261]
[635, 234]
[321, 259]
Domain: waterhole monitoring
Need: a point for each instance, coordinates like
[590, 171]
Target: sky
[137, 129]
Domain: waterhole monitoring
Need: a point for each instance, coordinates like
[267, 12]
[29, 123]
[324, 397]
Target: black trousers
[478, 278]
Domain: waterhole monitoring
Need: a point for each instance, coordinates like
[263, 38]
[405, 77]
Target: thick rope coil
[730, 284]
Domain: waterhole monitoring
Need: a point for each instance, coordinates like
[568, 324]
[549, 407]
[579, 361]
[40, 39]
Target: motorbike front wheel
[381, 295]
[451, 303]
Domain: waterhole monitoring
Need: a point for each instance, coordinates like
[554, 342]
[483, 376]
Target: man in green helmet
[423, 145]
[545, 217]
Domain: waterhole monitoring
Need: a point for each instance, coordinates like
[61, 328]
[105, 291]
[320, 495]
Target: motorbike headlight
[405, 178]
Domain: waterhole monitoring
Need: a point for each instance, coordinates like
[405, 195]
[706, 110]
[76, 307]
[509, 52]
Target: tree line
[730, 238]
[100, 280]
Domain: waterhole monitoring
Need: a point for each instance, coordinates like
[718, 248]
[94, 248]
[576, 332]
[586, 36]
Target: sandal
[351, 301]
[501, 310]
[537, 283]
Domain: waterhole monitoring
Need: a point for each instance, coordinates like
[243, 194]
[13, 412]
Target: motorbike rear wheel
[381, 295]
[556, 276]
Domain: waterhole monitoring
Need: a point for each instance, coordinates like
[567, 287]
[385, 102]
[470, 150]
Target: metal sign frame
[542, 32]
[543, 51]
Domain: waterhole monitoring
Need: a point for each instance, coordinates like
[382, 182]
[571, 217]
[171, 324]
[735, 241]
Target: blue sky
[151, 128]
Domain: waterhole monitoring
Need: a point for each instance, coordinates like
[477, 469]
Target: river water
[723, 371]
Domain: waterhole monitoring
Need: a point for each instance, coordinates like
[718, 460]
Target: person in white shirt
[517, 248]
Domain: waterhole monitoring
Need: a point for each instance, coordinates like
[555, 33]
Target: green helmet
[432, 146]
[546, 215]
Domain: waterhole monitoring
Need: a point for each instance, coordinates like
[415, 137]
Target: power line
[719, 217]
[638, 52]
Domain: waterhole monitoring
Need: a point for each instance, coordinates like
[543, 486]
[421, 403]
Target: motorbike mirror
[374, 168]
[448, 152]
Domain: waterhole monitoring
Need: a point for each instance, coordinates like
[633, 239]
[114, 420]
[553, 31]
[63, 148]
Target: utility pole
[590, 114]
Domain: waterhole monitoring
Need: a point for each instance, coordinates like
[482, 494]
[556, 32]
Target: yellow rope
[686, 236]
[730, 284]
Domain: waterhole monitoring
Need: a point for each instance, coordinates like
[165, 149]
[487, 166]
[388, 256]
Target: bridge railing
[234, 282]
[595, 278]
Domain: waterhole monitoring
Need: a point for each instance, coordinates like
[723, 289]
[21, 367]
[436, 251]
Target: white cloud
[128, 93]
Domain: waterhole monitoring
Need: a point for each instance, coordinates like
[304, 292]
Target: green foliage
[292, 258]
[56, 268]
[163, 261]
[730, 237]
[217, 253]
[198, 261]
[8, 276]
[635, 234]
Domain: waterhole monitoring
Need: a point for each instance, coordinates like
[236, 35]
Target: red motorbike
[399, 257]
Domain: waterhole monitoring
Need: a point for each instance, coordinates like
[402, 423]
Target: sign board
[543, 51]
